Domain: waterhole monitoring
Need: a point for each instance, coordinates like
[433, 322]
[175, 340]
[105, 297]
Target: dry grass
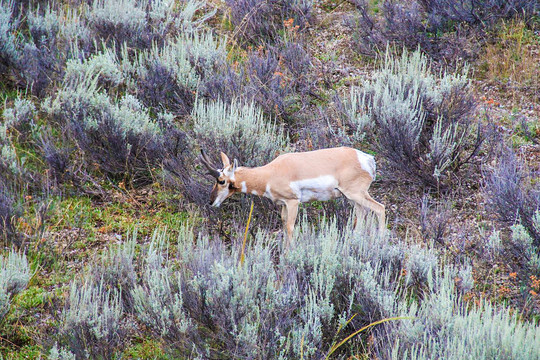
[513, 56]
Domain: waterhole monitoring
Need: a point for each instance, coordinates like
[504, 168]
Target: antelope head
[225, 182]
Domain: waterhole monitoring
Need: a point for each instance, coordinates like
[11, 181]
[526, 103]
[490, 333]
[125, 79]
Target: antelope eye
[221, 182]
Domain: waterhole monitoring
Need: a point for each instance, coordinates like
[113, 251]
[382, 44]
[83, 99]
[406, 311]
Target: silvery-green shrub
[20, 120]
[60, 354]
[93, 322]
[330, 282]
[265, 21]
[441, 327]
[142, 23]
[9, 42]
[203, 302]
[22, 112]
[116, 269]
[421, 265]
[103, 65]
[43, 55]
[9, 162]
[522, 240]
[14, 277]
[17, 128]
[117, 134]
[446, 30]
[239, 130]
[514, 193]
[422, 120]
[159, 301]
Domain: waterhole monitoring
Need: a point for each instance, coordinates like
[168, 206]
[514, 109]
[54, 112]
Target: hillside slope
[109, 248]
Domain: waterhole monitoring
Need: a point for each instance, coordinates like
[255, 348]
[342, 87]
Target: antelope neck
[251, 180]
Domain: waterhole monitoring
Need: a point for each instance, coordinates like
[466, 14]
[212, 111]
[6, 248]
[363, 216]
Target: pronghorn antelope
[294, 178]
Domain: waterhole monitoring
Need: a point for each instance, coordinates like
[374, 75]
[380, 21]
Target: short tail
[373, 167]
[367, 162]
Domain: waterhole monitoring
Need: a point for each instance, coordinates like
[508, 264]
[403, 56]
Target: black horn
[211, 168]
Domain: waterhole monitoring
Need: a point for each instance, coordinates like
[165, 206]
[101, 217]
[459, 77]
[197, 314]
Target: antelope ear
[225, 160]
[235, 165]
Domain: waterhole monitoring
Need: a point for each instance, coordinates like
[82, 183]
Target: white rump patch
[320, 188]
[367, 162]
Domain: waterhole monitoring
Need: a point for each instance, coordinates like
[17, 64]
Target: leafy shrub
[75, 30]
[35, 47]
[240, 131]
[422, 121]
[9, 43]
[277, 79]
[60, 354]
[43, 36]
[42, 58]
[340, 276]
[421, 266]
[203, 303]
[257, 21]
[513, 194]
[210, 290]
[117, 271]
[21, 114]
[434, 222]
[143, 23]
[493, 244]
[120, 137]
[158, 88]
[8, 159]
[206, 52]
[168, 78]
[14, 177]
[441, 28]
[400, 23]
[19, 118]
[444, 13]
[92, 320]
[34, 50]
[159, 301]
[224, 85]
[266, 84]
[12, 171]
[104, 65]
[457, 333]
[524, 243]
[298, 65]
[119, 21]
[164, 78]
[14, 277]
[9, 213]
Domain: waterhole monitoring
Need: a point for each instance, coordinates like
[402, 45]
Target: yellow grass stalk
[336, 346]
[242, 256]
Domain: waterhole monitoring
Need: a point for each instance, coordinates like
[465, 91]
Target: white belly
[320, 188]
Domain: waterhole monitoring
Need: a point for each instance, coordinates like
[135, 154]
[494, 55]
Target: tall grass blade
[242, 256]
[337, 346]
